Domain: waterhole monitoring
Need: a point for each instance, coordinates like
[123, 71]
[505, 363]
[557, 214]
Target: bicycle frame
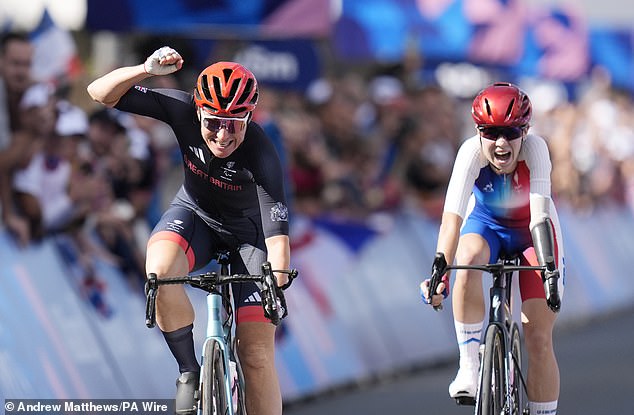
[500, 314]
[500, 318]
[220, 330]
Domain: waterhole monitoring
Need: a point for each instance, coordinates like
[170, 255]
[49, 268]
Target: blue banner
[554, 43]
[204, 17]
[283, 64]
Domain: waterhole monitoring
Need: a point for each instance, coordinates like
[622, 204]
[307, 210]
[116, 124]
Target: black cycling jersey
[247, 183]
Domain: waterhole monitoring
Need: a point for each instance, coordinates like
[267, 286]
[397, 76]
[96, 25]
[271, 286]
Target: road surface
[596, 361]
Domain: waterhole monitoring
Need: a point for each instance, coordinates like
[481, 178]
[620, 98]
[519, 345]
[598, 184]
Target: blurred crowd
[96, 180]
[83, 178]
[359, 147]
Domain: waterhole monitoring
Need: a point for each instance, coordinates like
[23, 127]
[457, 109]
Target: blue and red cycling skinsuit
[501, 207]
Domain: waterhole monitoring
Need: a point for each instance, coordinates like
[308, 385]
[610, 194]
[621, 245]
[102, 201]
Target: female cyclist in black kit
[232, 196]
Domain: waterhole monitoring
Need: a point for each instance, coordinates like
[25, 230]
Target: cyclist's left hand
[551, 288]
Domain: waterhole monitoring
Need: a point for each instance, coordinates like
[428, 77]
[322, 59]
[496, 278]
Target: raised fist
[163, 61]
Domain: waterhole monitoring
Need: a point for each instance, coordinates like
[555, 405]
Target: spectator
[16, 54]
[24, 177]
[126, 182]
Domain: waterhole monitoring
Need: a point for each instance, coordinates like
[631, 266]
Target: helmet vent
[526, 104]
[245, 92]
[234, 89]
[486, 102]
[509, 110]
[205, 87]
[222, 101]
[227, 72]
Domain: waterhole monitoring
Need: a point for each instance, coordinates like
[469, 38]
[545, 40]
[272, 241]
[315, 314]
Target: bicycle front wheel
[516, 382]
[492, 385]
[214, 400]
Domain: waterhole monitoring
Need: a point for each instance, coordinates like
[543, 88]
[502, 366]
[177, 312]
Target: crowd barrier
[355, 311]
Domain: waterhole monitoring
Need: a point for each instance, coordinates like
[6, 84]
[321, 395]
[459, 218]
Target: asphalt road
[596, 361]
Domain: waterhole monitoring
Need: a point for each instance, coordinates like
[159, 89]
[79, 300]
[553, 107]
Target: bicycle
[221, 387]
[501, 384]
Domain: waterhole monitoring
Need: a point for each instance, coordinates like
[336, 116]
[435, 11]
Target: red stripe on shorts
[251, 313]
[176, 238]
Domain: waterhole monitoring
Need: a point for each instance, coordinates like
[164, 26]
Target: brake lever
[151, 289]
[439, 268]
[551, 287]
[269, 295]
[550, 279]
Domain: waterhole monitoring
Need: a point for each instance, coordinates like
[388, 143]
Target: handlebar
[499, 268]
[273, 300]
[549, 272]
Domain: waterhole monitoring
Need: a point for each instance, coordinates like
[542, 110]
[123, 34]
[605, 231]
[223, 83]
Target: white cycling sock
[468, 336]
[542, 408]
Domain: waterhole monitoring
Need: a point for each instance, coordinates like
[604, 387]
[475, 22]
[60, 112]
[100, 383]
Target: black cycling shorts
[201, 236]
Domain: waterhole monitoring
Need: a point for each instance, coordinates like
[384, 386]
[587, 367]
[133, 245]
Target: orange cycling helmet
[226, 89]
[501, 105]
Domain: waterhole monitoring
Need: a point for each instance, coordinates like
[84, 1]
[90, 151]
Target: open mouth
[502, 156]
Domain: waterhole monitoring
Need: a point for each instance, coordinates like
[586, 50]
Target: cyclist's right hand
[438, 285]
[436, 300]
[163, 61]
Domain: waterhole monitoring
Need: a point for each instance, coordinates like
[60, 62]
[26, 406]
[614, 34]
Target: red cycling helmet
[226, 89]
[501, 105]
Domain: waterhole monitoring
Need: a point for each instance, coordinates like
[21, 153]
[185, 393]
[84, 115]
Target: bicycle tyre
[214, 400]
[492, 387]
[516, 386]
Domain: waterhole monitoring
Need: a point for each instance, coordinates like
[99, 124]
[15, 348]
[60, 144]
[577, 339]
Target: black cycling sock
[181, 344]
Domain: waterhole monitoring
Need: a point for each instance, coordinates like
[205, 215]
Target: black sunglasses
[493, 133]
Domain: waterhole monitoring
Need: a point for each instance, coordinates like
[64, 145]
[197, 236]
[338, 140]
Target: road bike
[221, 387]
[501, 384]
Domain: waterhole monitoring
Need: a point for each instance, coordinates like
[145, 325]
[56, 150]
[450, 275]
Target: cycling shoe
[465, 384]
[186, 387]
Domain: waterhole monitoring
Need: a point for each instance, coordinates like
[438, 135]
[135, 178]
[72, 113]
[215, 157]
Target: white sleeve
[537, 158]
[466, 169]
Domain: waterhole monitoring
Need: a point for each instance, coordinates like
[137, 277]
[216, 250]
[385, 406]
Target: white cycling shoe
[465, 384]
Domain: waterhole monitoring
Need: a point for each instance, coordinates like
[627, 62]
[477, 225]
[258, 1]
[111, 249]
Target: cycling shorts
[201, 236]
[505, 241]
